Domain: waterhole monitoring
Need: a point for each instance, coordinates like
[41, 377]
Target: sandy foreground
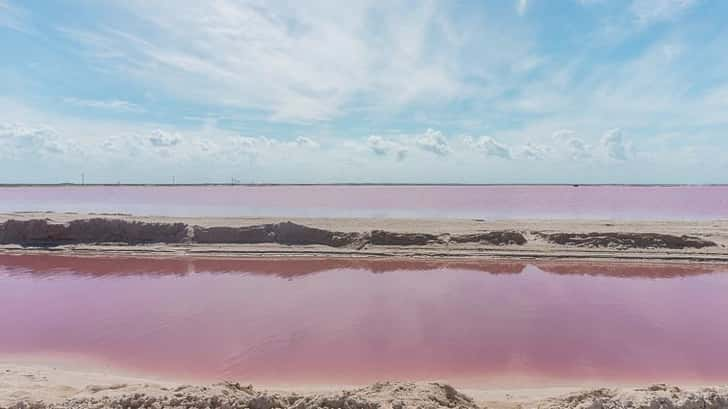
[38, 385]
[73, 233]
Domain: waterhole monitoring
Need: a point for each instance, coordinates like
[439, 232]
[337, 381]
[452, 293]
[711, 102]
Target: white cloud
[572, 146]
[521, 7]
[534, 152]
[301, 62]
[163, 139]
[378, 145]
[111, 105]
[382, 147]
[12, 17]
[306, 142]
[298, 62]
[577, 149]
[653, 11]
[434, 141]
[490, 147]
[615, 145]
[33, 139]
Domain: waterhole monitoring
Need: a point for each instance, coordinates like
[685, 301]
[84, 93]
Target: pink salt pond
[571, 202]
[354, 322]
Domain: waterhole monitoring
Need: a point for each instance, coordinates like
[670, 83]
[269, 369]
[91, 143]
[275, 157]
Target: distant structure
[83, 179]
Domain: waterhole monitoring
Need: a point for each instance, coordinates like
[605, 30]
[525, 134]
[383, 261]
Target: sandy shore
[73, 233]
[38, 385]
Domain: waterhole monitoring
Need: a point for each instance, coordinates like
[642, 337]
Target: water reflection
[43, 265]
[333, 321]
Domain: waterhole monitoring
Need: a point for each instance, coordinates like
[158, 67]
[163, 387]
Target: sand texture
[40, 387]
[586, 239]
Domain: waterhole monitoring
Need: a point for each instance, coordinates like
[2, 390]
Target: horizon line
[351, 184]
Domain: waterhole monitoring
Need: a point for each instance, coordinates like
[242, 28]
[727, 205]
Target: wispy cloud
[652, 11]
[521, 7]
[270, 58]
[111, 105]
[12, 16]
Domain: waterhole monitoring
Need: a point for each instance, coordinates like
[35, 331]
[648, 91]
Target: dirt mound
[241, 235]
[29, 231]
[498, 238]
[281, 233]
[292, 233]
[122, 231]
[97, 230]
[656, 396]
[388, 238]
[382, 395]
[628, 240]
[43, 232]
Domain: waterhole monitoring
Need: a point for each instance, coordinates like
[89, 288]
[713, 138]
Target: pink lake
[358, 321]
[625, 202]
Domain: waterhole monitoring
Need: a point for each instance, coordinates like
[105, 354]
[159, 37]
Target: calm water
[631, 202]
[338, 321]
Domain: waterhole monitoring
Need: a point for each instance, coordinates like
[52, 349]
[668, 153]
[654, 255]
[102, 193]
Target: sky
[524, 91]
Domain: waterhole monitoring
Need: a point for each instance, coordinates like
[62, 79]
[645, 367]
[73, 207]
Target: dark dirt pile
[282, 233]
[386, 238]
[628, 240]
[41, 232]
[498, 238]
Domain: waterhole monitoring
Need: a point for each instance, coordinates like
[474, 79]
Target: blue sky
[524, 91]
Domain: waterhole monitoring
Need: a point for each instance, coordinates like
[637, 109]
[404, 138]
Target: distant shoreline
[363, 184]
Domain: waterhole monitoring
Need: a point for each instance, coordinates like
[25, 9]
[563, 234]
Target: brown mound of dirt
[281, 233]
[628, 240]
[97, 230]
[242, 235]
[122, 231]
[388, 238]
[498, 238]
[381, 395]
[30, 231]
[292, 233]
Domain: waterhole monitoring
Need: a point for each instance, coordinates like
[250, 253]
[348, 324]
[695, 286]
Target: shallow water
[625, 202]
[353, 322]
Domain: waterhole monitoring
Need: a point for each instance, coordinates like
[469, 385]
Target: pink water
[353, 322]
[626, 202]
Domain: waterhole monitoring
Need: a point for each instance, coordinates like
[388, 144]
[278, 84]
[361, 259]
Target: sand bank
[38, 386]
[703, 241]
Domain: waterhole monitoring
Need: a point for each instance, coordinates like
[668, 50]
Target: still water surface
[621, 202]
[354, 321]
